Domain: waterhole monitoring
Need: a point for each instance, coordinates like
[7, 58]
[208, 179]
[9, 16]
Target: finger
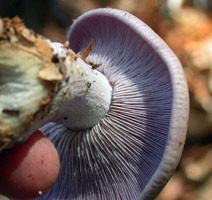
[30, 169]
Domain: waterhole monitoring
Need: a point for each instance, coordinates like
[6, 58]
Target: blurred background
[186, 26]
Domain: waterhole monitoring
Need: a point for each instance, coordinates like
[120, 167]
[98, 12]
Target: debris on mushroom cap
[27, 78]
[132, 152]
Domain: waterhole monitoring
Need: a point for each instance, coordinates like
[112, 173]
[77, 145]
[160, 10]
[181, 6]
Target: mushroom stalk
[42, 81]
[85, 94]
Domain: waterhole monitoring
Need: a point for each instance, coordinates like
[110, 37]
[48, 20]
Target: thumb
[29, 169]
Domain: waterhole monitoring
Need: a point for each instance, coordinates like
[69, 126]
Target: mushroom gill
[132, 152]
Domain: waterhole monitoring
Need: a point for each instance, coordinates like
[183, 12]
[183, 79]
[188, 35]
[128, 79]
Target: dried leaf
[50, 73]
[44, 49]
[87, 50]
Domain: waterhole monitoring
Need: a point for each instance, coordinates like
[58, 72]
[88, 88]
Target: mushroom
[131, 152]
[115, 106]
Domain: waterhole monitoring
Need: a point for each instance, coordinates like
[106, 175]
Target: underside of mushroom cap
[132, 152]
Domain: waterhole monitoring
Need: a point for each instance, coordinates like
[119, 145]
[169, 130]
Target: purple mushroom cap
[132, 152]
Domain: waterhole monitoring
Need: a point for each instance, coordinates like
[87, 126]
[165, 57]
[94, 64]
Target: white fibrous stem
[41, 81]
[85, 94]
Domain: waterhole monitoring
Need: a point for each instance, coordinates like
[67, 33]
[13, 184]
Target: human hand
[29, 169]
